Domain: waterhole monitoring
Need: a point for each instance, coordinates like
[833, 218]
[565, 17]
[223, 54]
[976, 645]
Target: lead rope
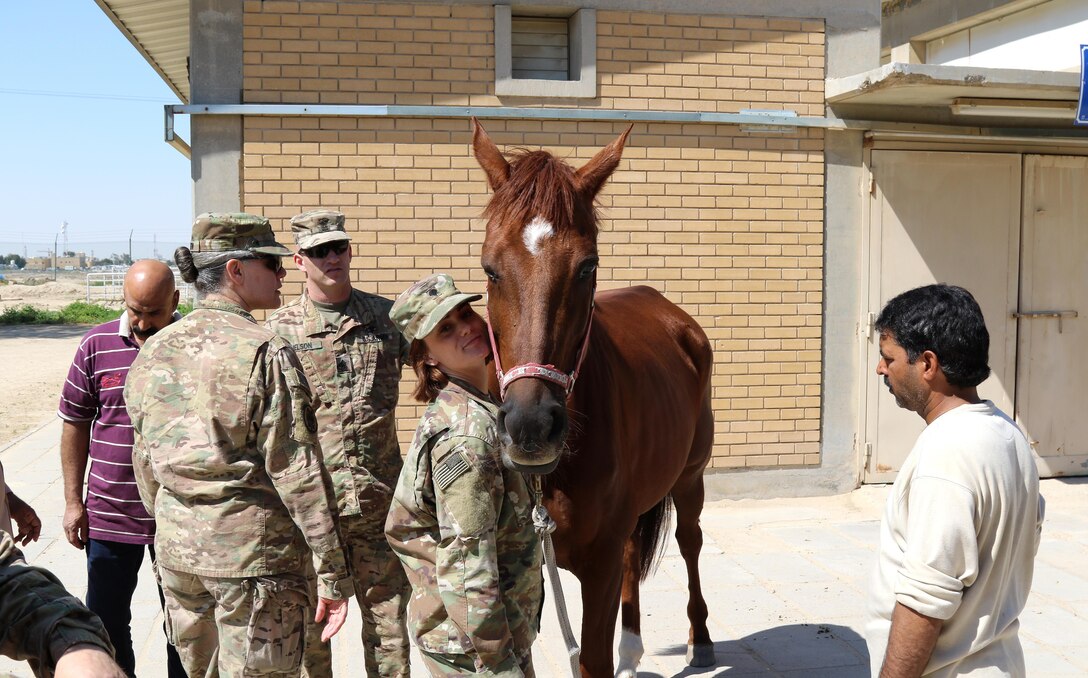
[544, 526]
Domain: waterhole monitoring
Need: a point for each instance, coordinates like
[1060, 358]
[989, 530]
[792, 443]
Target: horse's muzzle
[532, 436]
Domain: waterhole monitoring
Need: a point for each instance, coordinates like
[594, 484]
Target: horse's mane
[541, 185]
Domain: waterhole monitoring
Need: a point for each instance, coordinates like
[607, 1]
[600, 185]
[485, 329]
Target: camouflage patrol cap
[420, 308]
[318, 227]
[226, 231]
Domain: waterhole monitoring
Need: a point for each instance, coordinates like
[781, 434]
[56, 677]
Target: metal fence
[106, 286]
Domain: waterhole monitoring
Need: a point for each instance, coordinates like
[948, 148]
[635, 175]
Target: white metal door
[1052, 375]
[939, 217]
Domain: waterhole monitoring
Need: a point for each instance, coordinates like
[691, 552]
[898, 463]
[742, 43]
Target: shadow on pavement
[1074, 480]
[43, 331]
[809, 650]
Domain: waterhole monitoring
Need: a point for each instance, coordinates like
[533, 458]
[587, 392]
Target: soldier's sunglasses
[272, 263]
[322, 251]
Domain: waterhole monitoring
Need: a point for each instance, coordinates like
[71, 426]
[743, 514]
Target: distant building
[39, 263]
[78, 260]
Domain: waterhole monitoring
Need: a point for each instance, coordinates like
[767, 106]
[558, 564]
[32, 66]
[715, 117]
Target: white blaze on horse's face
[536, 230]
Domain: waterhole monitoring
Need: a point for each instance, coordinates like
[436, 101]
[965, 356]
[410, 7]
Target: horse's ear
[489, 157]
[593, 174]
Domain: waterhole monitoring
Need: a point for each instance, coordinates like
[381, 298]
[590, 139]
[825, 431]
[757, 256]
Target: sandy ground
[49, 295]
[38, 289]
[34, 360]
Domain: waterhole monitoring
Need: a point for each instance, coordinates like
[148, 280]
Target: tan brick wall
[728, 225]
[364, 53]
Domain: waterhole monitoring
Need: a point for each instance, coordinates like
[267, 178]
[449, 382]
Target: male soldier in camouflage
[227, 460]
[352, 355]
[460, 521]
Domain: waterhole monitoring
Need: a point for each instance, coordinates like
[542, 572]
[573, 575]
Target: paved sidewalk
[785, 581]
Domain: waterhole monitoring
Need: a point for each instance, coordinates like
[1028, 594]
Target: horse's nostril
[559, 424]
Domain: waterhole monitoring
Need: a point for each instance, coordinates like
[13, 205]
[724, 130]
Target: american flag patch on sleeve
[450, 469]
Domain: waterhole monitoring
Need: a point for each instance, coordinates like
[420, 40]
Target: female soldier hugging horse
[636, 430]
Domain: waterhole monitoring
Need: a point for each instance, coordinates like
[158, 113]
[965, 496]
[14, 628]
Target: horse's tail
[652, 531]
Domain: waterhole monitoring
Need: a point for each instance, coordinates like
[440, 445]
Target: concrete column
[215, 73]
[853, 47]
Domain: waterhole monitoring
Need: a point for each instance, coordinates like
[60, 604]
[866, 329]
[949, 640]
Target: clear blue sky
[81, 136]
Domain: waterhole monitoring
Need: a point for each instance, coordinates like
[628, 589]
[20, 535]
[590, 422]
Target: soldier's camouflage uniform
[39, 619]
[461, 524]
[353, 364]
[227, 461]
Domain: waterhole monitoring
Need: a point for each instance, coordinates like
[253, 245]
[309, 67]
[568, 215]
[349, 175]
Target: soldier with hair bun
[227, 460]
[461, 522]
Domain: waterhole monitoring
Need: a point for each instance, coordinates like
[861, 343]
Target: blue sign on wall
[1082, 104]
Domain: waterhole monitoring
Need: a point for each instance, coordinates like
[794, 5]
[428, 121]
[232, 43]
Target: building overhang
[159, 30]
[956, 95]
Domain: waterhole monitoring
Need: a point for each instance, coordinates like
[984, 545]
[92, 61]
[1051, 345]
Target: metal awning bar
[787, 119]
[761, 122]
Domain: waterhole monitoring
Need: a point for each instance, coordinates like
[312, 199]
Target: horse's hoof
[701, 655]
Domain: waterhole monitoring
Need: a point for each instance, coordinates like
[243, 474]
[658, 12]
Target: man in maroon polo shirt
[112, 524]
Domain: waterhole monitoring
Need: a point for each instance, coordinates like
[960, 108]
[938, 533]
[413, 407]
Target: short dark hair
[944, 319]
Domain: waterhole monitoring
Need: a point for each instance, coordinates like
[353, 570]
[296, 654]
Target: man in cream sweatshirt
[962, 524]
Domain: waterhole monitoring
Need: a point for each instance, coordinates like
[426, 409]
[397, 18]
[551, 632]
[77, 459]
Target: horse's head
[540, 256]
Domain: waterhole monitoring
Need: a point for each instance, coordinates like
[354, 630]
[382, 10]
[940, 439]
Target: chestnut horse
[634, 433]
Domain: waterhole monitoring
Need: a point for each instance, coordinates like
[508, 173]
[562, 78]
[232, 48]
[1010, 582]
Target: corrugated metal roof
[159, 29]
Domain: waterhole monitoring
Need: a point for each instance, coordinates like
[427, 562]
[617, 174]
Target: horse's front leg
[601, 578]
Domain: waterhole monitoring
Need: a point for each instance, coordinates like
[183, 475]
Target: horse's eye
[587, 270]
[492, 276]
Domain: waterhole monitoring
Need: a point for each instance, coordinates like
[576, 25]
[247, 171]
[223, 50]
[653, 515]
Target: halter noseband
[536, 370]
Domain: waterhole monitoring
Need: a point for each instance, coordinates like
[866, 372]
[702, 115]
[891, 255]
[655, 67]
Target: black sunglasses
[322, 251]
[272, 263]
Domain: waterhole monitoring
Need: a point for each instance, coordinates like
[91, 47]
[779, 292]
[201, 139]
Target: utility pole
[55, 238]
[130, 247]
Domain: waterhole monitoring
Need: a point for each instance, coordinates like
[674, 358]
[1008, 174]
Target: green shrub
[77, 313]
[82, 313]
[28, 315]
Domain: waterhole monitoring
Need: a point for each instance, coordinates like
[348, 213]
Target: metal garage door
[940, 217]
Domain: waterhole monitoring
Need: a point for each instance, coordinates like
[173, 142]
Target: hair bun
[183, 257]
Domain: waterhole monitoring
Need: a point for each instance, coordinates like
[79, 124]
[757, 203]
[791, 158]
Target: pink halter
[536, 370]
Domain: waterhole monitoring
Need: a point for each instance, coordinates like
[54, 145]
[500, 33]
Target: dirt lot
[40, 290]
[34, 359]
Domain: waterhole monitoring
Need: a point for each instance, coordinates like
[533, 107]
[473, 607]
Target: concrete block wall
[728, 225]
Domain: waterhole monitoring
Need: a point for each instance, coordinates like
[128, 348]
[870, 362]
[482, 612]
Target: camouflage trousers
[454, 665]
[381, 590]
[236, 627]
